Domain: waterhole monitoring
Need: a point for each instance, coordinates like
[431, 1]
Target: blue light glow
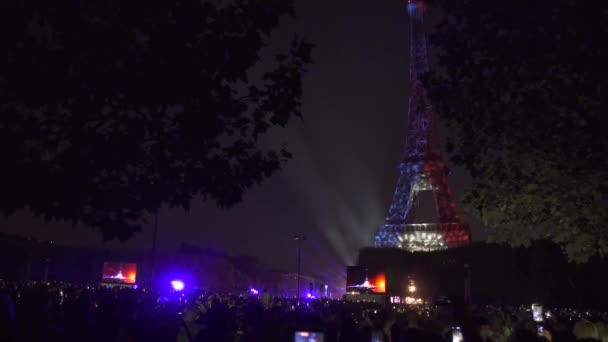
[254, 291]
[177, 285]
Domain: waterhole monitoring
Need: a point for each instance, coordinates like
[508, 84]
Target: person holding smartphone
[539, 318]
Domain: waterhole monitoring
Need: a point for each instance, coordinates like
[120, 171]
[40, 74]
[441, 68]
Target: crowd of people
[63, 312]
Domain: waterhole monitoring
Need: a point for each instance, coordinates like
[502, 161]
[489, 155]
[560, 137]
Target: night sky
[338, 186]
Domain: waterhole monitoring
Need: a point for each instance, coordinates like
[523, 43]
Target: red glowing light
[380, 282]
[381, 286]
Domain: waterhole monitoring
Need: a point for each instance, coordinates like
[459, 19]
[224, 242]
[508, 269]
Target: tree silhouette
[523, 86]
[108, 109]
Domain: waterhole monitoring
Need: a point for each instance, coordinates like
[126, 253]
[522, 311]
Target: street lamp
[299, 238]
[153, 261]
[467, 284]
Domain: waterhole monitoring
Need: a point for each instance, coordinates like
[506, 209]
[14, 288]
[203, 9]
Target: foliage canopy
[523, 86]
[108, 109]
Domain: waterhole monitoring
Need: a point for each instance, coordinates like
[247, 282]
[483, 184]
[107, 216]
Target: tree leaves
[523, 92]
[110, 109]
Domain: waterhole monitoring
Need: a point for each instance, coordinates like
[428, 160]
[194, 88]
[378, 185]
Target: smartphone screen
[308, 336]
[457, 335]
[537, 313]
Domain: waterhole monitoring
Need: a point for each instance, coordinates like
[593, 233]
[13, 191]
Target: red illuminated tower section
[423, 168]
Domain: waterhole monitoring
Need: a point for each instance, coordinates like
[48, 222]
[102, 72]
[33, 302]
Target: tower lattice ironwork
[422, 168]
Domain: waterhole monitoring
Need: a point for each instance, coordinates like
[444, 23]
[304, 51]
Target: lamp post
[467, 284]
[153, 261]
[299, 238]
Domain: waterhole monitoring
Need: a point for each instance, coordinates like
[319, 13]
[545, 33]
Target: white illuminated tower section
[422, 168]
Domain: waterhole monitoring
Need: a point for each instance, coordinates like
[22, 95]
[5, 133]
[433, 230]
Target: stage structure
[423, 167]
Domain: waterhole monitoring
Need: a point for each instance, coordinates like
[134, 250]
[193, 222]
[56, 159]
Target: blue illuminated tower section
[422, 167]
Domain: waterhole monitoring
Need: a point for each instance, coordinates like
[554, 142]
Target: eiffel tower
[423, 169]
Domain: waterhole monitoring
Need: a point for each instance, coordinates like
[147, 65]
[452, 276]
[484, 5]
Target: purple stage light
[254, 291]
[177, 285]
[135, 287]
[309, 295]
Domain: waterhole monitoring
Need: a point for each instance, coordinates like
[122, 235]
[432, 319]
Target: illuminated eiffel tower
[422, 168]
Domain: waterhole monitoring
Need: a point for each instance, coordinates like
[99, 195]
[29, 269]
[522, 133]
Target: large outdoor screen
[118, 272]
[363, 280]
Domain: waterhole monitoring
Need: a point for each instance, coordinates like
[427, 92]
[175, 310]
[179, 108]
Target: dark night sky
[346, 151]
